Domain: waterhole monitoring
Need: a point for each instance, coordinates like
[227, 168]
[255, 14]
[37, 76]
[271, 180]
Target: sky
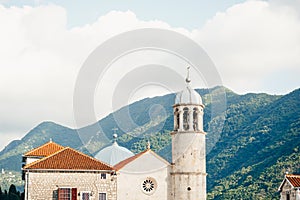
[255, 46]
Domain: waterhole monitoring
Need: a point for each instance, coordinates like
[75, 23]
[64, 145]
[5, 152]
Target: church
[52, 171]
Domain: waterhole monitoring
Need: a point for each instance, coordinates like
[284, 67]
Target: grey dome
[113, 154]
[188, 96]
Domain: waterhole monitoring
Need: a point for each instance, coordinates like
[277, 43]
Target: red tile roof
[121, 164]
[68, 159]
[293, 179]
[45, 150]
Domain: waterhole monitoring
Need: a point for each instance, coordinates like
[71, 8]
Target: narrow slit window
[185, 118]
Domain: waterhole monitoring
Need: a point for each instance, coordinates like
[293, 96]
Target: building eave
[282, 183]
[67, 170]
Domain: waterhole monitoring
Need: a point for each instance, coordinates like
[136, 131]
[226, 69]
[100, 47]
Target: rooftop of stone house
[293, 179]
[68, 159]
[45, 150]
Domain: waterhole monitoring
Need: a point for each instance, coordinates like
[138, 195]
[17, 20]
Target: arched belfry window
[176, 116]
[185, 118]
[195, 119]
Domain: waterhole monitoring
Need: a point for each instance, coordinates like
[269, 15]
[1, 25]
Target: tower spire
[188, 146]
[188, 80]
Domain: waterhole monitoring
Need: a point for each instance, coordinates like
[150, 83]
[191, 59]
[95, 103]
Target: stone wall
[189, 166]
[287, 190]
[132, 177]
[44, 185]
[130, 185]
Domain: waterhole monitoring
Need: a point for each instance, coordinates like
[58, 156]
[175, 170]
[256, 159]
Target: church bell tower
[188, 174]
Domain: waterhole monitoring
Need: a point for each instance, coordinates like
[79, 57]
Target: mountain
[11, 154]
[252, 139]
[251, 157]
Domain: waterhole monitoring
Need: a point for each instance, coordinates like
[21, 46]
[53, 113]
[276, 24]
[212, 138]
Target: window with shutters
[102, 196]
[67, 194]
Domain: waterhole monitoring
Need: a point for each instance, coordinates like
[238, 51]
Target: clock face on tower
[149, 186]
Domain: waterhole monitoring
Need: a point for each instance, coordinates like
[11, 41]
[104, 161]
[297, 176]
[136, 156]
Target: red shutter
[74, 193]
[58, 192]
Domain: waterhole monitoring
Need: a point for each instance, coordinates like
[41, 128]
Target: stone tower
[188, 175]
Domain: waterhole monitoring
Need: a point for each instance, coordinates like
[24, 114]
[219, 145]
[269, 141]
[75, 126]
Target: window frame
[103, 176]
[71, 196]
[85, 192]
[105, 195]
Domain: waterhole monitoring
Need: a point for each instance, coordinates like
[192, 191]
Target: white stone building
[68, 174]
[55, 172]
[143, 176]
[290, 187]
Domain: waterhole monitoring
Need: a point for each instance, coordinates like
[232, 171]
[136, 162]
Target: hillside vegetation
[250, 144]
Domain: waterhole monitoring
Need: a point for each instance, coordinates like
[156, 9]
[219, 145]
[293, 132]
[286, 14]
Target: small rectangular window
[103, 176]
[102, 196]
[85, 196]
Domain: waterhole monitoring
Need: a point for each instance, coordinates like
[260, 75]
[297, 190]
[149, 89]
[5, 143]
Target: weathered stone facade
[45, 184]
[189, 169]
[289, 193]
[188, 176]
[290, 187]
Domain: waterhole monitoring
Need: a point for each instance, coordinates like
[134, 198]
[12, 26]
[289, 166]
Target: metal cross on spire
[188, 80]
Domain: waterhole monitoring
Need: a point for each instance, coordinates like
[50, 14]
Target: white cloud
[40, 59]
[250, 43]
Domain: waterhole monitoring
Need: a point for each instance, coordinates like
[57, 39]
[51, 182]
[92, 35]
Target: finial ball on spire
[188, 95]
[115, 135]
[148, 145]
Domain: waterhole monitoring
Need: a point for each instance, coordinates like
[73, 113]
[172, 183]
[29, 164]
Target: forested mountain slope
[251, 142]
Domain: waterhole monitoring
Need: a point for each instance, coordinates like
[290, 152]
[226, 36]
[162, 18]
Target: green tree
[4, 195]
[12, 189]
[12, 193]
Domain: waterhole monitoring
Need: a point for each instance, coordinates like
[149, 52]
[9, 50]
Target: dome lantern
[188, 109]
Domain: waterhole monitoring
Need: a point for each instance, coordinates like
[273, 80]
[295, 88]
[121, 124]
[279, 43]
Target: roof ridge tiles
[70, 162]
[121, 164]
[293, 179]
[35, 151]
[42, 159]
[90, 157]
